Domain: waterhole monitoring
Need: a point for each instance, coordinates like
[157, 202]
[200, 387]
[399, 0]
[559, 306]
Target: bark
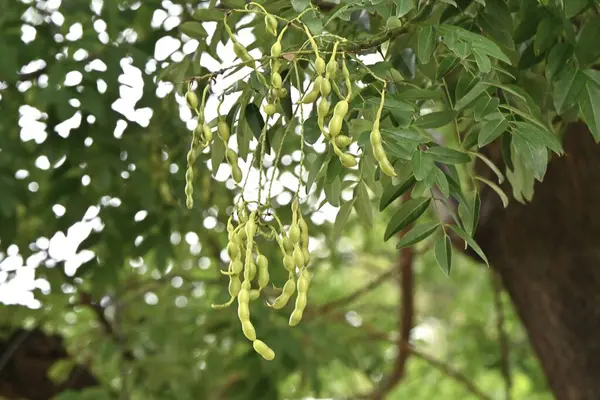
[25, 359]
[548, 255]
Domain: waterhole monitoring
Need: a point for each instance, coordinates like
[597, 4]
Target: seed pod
[281, 92]
[251, 226]
[375, 138]
[232, 157]
[243, 296]
[269, 109]
[320, 65]
[288, 246]
[192, 100]
[302, 225]
[298, 256]
[288, 291]
[276, 49]
[251, 270]
[342, 141]
[235, 285]
[223, 130]
[294, 233]
[265, 351]
[331, 68]
[295, 318]
[304, 281]
[241, 52]
[335, 125]
[341, 108]
[323, 107]
[254, 293]
[249, 330]
[243, 312]
[325, 87]
[387, 168]
[306, 255]
[263, 271]
[301, 301]
[288, 263]
[233, 251]
[236, 173]
[348, 160]
[206, 133]
[276, 80]
[237, 267]
[310, 97]
[246, 285]
[271, 24]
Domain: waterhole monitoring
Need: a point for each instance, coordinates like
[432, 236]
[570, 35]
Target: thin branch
[342, 301]
[12, 346]
[502, 335]
[452, 373]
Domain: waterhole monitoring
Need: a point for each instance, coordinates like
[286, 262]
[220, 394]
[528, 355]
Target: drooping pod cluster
[276, 89]
[248, 269]
[384, 163]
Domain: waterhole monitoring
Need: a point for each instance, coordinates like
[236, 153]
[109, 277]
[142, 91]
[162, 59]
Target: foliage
[418, 93]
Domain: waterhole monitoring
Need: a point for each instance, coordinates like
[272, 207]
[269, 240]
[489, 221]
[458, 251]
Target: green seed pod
[301, 301]
[233, 251]
[304, 281]
[281, 92]
[236, 173]
[251, 226]
[263, 271]
[232, 157]
[276, 49]
[269, 109]
[276, 80]
[241, 235]
[342, 141]
[254, 293]
[323, 107]
[241, 52]
[387, 168]
[288, 263]
[375, 138]
[206, 133]
[288, 246]
[249, 330]
[237, 267]
[243, 312]
[246, 285]
[331, 68]
[288, 291]
[271, 24]
[348, 160]
[302, 225]
[298, 256]
[265, 351]
[335, 125]
[310, 97]
[325, 87]
[243, 296]
[320, 65]
[235, 285]
[223, 130]
[295, 318]
[251, 270]
[294, 233]
[341, 108]
[192, 100]
[306, 255]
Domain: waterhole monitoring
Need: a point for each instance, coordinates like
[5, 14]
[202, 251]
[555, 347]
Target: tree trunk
[548, 255]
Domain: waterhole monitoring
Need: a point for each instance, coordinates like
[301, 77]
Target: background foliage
[93, 143]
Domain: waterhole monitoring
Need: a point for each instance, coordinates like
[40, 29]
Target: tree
[154, 154]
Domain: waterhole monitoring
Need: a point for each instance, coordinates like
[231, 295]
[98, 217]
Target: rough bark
[548, 255]
[26, 358]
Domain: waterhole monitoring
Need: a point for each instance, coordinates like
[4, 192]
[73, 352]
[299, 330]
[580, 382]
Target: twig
[12, 346]
[502, 336]
[451, 372]
[342, 301]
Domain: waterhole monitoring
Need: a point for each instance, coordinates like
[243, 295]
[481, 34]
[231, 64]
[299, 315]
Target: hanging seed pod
[271, 24]
[192, 100]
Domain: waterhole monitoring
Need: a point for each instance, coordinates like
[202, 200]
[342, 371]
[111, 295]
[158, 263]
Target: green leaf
[422, 165]
[435, 119]
[408, 213]
[533, 156]
[537, 136]
[442, 182]
[411, 94]
[362, 205]
[443, 253]
[471, 95]
[333, 191]
[417, 234]
[342, 217]
[490, 130]
[392, 192]
[496, 21]
[403, 7]
[300, 5]
[557, 59]
[403, 135]
[208, 14]
[217, 154]
[469, 240]
[447, 64]
[316, 166]
[334, 168]
[496, 189]
[60, 371]
[425, 43]
[490, 165]
[546, 34]
[483, 62]
[567, 88]
[574, 7]
[447, 156]
[587, 50]
[485, 106]
[193, 29]
[589, 104]
[477, 41]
